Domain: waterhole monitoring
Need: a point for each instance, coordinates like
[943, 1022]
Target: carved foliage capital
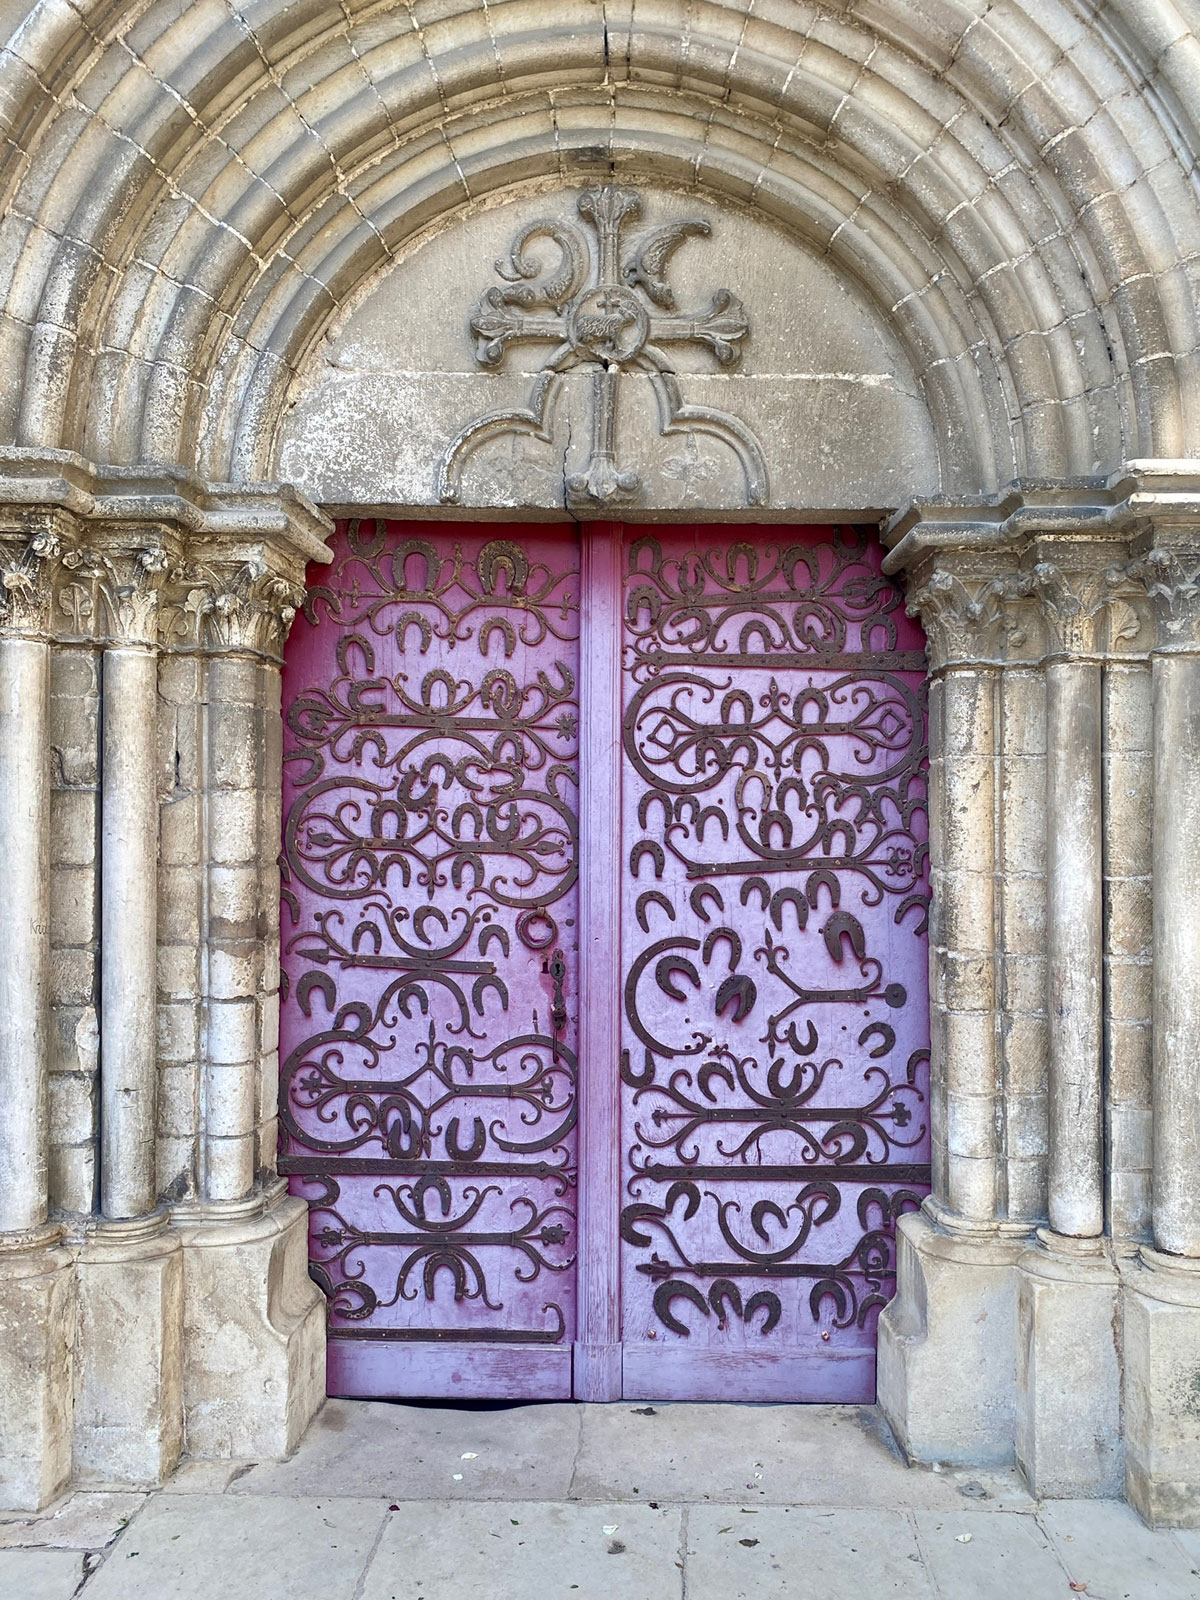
[1171, 577]
[27, 569]
[1086, 611]
[243, 607]
[972, 618]
[112, 592]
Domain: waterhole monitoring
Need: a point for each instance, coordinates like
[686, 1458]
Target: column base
[37, 1335]
[129, 1353]
[1162, 1389]
[1068, 1433]
[947, 1344]
[254, 1373]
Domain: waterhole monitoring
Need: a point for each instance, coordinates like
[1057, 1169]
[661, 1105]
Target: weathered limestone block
[1068, 1432]
[1162, 1388]
[37, 1331]
[129, 1354]
[947, 1345]
[254, 1327]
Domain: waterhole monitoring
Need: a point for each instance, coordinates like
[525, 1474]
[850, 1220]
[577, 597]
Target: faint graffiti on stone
[608, 308]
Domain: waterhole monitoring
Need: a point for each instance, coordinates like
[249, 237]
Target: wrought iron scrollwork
[429, 870]
[775, 1063]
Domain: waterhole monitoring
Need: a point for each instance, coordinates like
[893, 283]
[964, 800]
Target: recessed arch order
[1009, 184]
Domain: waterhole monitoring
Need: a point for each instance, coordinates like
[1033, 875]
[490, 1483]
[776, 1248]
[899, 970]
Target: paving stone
[39, 1574]
[205, 1477]
[816, 1455]
[781, 1551]
[413, 1453]
[84, 1520]
[449, 1551]
[989, 1556]
[1189, 1539]
[1105, 1545]
[215, 1547]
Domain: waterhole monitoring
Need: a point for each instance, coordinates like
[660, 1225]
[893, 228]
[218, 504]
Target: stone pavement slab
[205, 1477]
[1105, 1546]
[216, 1547]
[527, 1551]
[780, 1551]
[766, 1455]
[358, 1447]
[707, 1502]
[989, 1556]
[83, 1520]
[39, 1574]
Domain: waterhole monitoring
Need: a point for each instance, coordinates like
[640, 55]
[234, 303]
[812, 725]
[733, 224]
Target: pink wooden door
[775, 1055]
[648, 1132]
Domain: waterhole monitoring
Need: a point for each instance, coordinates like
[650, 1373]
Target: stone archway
[190, 212]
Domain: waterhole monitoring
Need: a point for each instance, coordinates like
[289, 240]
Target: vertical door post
[597, 1354]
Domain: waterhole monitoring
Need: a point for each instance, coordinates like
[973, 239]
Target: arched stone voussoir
[272, 158]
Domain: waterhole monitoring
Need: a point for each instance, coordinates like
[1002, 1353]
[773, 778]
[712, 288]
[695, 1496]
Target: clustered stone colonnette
[195, 203]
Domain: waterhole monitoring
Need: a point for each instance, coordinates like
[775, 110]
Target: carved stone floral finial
[608, 308]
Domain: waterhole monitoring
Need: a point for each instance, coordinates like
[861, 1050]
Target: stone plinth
[1162, 1388]
[947, 1345]
[1068, 1434]
[254, 1330]
[130, 1357]
[37, 1331]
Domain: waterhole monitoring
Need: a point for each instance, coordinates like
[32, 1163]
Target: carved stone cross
[608, 310]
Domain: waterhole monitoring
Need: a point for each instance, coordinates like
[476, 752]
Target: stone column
[254, 1320]
[1068, 1415]
[128, 873]
[1176, 1170]
[946, 1342]
[36, 1276]
[129, 1396]
[1128, 889]
[1162, 1304]
[1021, 937]
[1074, 933]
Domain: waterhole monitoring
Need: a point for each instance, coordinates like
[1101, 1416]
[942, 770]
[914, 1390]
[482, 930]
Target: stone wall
[243, 243]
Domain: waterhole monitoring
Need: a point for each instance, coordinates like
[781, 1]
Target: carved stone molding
[609, 308]
[1065, 547]
[150, 558]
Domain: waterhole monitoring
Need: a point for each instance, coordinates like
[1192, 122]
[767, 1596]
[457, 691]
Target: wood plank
[377, 1370]
[671, 1372]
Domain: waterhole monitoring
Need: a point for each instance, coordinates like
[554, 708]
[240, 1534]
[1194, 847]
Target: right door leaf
[775, 1062]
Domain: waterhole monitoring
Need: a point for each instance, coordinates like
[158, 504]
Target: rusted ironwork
[775, 1068]
[428, 1091]
[771, 1077]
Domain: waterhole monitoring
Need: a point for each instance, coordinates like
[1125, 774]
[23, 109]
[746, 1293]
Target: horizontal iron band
[386, 1167]
[449, 1335]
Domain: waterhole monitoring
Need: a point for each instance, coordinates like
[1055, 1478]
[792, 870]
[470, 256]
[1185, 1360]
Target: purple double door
[605, 1019]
